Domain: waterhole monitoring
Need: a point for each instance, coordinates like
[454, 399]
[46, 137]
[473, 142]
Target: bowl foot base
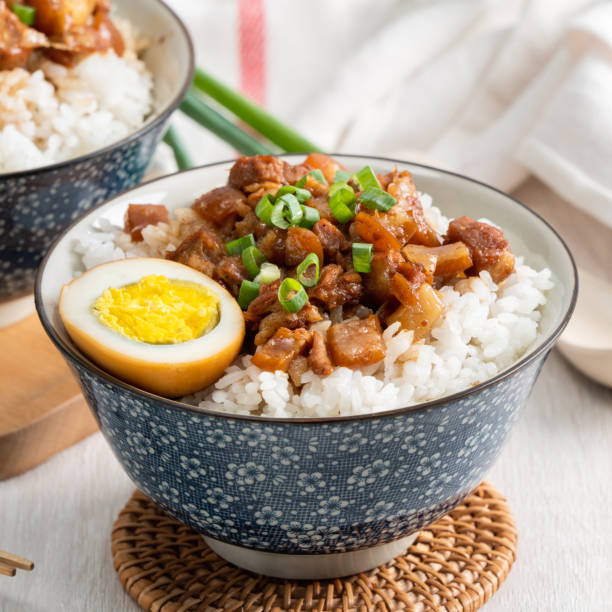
[310, 567]
[15, 310]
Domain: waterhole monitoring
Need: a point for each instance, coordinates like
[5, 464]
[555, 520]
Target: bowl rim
[542, 348]
[148, 125]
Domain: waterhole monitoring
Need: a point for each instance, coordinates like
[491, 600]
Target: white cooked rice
[484, 329]
[53, 113]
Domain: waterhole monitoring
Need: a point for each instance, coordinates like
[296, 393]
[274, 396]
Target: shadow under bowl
[315, 498]
[37, 205]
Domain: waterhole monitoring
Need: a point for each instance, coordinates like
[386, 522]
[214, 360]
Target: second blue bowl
[37, 205]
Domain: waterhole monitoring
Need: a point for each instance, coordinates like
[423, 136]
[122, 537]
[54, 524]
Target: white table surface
[556, 472]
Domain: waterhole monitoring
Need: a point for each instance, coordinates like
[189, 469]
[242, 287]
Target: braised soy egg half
[157, 324]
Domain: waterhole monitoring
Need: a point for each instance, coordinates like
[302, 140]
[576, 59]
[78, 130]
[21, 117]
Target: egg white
[167, 369]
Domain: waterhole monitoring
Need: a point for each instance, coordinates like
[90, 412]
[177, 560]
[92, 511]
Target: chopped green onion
[301, 194]
[268, 273]
[252, 258]
[307, 279]
[342, 176]
[342, 202]
[338, 187]
[248, 292]
[362, 256]
[366, 178]
[291, 287]
[341, 211]
[311, 216]
[263, 210]
[287, 211]
[317, 174]
[235, 247]
[25, 14]
[278, 218]
[377, 199]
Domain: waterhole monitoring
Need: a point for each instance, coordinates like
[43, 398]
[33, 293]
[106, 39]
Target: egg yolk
[159, 310]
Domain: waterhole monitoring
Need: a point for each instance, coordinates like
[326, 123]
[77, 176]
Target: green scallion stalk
[366, 178]
[304, 273]
[316, 174]
[252, 258]
[267, 125]
[182, 157]
[268, 273]
[235, 247]
[377, 199]
[342, 202]
[264, 208]
[248, 292]
[311, 216]
[301, 194]
[25, 14]
[199, 111]
[362, 256]
[291, 295]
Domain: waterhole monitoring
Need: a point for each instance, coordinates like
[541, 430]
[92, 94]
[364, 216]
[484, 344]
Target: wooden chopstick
[5, 570]
[9, 563]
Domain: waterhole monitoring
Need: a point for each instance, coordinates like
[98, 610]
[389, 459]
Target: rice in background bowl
[50, 112]
[300, 489]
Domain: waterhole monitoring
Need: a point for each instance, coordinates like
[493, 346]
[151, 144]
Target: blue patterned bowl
[315, 498]
[36, 205]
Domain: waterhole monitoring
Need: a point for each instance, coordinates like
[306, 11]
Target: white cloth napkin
[496, 89]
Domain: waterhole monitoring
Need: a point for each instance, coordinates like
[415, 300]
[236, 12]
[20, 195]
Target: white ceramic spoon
[587, 340]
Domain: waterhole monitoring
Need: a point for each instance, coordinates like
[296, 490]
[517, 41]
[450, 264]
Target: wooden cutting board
[41, 408]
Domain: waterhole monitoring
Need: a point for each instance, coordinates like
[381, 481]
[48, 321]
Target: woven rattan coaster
[454, 565]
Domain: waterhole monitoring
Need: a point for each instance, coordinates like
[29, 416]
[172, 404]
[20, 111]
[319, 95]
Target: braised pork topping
[322, 260]
[65, 30]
